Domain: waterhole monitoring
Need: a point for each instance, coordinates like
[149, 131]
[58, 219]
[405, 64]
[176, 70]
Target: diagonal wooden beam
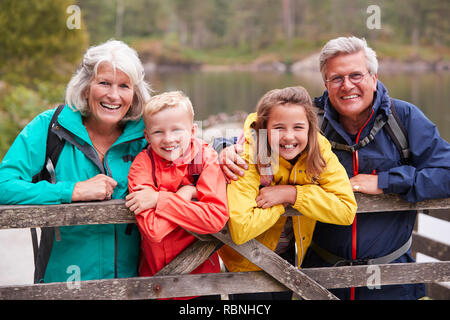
[278, 268]
[190, 258]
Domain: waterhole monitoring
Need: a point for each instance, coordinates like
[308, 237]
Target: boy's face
[169, 132]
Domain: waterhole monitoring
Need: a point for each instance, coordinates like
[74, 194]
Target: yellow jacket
[328, 199]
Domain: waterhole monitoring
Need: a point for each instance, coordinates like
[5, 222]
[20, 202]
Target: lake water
[213, 93]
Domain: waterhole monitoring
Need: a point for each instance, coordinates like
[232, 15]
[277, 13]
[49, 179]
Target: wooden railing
[174, 280]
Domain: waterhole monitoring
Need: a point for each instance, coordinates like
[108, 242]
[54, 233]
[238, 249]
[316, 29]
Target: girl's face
[287, 128]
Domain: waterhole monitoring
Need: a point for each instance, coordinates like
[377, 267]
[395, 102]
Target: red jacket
[162, 228]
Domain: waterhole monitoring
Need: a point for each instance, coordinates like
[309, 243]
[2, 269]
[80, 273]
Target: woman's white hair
[347, 45]
[120, 56]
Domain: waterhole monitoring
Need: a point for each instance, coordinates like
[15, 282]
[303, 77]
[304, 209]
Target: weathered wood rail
[175, 281]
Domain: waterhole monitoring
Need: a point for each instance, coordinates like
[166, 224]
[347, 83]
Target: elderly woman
[103, 132]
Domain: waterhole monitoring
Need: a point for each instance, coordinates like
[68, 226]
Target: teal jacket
[94, 251]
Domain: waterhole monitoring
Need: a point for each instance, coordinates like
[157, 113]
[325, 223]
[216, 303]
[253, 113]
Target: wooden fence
[174, 280]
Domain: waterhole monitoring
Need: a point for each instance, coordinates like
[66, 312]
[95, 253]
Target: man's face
[350, 100]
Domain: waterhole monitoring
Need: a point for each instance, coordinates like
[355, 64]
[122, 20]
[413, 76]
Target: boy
[162, 185]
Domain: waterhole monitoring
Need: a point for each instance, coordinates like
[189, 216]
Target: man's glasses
[355, 77]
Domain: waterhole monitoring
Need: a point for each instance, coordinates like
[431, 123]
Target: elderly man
[387, 146]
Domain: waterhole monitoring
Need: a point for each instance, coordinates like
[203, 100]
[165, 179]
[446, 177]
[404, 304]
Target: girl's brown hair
[297, 96]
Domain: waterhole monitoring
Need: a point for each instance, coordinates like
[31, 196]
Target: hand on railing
[100, 187]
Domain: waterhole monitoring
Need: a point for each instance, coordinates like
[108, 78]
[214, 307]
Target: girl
[290, 164]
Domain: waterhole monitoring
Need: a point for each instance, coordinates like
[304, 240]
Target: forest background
[40, 47]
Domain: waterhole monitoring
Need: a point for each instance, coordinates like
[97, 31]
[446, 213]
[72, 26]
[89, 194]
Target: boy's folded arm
[153, 227]
[207, 215]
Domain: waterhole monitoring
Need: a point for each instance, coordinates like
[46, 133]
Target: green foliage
[36, 43]
[37, 57]
[33, 29]
[252, 26]
[19, 105]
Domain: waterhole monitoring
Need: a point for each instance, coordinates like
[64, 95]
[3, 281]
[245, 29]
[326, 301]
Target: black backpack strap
[398, 134]
[195, 167]
[43, 254]
[321, 121]
[53, 150]
[150, 154]
[54, 144]
[35, 242]
[377, 126]
[54, 147]
[393, 125]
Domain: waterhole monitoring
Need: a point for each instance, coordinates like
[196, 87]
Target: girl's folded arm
[247, 221]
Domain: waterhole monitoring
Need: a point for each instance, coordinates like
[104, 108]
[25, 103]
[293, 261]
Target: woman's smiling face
[288, 128]
[109, 95]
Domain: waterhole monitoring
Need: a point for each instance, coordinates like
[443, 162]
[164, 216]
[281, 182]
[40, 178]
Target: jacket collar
[186, 158]
[381, 104]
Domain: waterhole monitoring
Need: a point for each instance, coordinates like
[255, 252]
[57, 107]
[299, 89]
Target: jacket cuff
[219, 144]
[66, 191]
[162, 201]
[299, 197]
[383, 181]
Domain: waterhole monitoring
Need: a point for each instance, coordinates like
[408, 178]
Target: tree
[37, 57]
[36, 42]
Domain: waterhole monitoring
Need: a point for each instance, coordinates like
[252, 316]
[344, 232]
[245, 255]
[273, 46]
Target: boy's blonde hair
[166, 100]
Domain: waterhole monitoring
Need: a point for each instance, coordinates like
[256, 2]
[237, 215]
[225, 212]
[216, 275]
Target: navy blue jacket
[427, 177]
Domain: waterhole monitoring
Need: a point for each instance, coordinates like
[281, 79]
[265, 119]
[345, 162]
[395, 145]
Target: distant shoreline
[306, 65]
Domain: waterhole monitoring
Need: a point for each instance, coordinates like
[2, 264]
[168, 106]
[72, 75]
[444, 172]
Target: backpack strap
[152, 159]
[377, 126]
[394, 127]
[195, 167]
[398, 134]
[54, 147]
[321, 121]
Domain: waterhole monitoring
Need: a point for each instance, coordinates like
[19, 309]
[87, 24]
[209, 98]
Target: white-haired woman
[102, 131]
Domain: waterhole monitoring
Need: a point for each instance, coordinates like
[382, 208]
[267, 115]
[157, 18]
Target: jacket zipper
[108, 173]
[115, 252]
[354, 225]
